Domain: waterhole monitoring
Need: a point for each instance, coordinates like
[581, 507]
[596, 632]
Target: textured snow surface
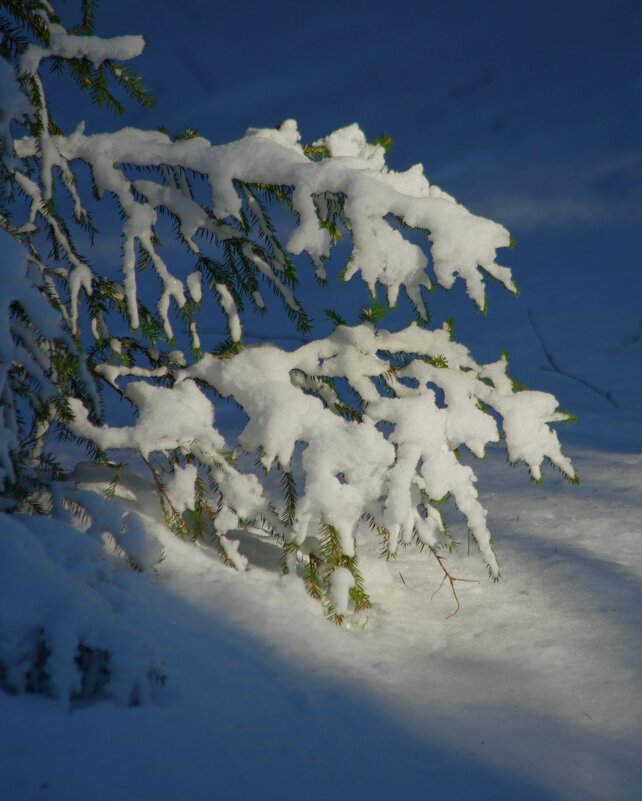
[61, 591]
[530, 692]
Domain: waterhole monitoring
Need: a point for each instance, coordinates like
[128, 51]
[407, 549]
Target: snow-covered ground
[533, 690]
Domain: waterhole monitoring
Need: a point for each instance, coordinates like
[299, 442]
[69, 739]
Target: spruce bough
[364, 424]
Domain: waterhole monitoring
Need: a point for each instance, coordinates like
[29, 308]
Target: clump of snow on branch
[68, 46]
[392, 473]
[352, 467]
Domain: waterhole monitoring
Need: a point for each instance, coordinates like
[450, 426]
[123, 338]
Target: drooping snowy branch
[354, 173]
[353, 468]
[365, 423]
[181, 419]
[461, 242]
[392, 464]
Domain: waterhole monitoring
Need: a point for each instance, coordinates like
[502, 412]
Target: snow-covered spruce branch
[386, 449]
[391, 463]
[354, 467]
[351, 186]
[355, 171]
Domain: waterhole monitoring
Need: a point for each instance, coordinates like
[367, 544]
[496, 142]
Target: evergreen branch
[288, 485]
[88, 10]
[27, 16]
[134, 86]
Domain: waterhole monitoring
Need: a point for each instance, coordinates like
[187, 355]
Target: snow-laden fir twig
[368, 423]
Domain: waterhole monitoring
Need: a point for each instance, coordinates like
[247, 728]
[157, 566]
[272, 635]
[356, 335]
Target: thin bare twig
[448, 576]
[632, 340]
[562, 371]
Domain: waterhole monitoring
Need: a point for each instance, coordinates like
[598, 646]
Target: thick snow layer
[169, 418]
[180, 488]
[349, 466]
[341, 582]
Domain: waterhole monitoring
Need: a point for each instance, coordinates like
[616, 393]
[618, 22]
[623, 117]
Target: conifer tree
[365, 424]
